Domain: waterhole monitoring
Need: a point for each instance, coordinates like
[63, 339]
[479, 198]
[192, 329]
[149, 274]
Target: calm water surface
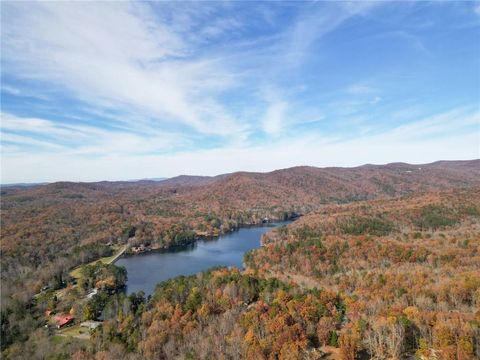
[147, 270]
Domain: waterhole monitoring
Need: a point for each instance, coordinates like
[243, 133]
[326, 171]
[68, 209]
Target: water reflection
[147, 270]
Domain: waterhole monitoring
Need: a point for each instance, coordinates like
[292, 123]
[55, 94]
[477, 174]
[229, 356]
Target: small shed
[91, 324]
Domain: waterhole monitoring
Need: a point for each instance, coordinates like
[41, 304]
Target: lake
[145, 271]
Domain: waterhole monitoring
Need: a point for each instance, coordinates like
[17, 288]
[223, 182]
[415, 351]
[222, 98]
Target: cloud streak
[167, 87]
[140, 66]
[79, 140]
[449, 135]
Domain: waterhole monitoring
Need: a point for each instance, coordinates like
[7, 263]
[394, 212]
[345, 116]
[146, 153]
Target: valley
[378, 260]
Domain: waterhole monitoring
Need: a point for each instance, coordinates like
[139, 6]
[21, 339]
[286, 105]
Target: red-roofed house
[63, 320]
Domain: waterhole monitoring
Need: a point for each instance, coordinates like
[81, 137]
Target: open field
[75, 331]
[119, 250]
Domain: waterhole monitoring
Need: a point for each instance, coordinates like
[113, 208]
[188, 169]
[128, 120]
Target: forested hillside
[388, 278]
[384, 261]
[409, 269]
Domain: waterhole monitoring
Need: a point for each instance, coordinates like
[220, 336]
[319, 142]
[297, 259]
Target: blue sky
[122, 90]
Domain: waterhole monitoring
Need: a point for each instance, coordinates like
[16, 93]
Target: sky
[128, 90]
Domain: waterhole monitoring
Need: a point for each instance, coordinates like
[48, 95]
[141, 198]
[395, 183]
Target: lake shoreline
[211, 237]
[226, 250]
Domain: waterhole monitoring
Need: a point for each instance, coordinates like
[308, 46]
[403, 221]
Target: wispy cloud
[314, 22]
[11, 89]
[443, 124]
[174, 87]
[141, 66]
[274, 117]
[360, 89]
[449, 135]
[476, 8]
[75, 140]
[152, 64]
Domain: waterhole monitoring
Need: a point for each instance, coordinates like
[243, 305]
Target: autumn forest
[379, 262]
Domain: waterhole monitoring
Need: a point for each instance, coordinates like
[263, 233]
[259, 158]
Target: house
[92, 293]
[91, 325]
[139, 249]
[63, 320]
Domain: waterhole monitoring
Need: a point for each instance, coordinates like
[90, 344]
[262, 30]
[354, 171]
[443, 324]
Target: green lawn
[57, 339]
[76, 273]
[75, 331]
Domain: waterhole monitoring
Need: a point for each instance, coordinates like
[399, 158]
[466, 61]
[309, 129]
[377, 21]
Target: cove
[145, 271]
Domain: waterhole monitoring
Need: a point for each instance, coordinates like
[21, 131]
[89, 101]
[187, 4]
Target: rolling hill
[49, 229]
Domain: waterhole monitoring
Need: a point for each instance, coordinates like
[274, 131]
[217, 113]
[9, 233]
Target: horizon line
[160, 178]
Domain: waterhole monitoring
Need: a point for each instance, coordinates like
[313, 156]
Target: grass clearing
[75, 331]
[76, 273]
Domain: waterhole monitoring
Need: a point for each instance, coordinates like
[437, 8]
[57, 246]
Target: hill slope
[375, 279]
[46, 230]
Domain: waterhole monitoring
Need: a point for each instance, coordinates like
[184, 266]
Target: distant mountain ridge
[454, 165]
[300, 189]
[453, 171]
